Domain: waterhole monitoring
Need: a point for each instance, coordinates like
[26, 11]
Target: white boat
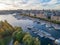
[57, 41]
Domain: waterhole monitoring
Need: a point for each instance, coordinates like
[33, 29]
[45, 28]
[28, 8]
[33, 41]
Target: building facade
[57, 18]
[41, 16]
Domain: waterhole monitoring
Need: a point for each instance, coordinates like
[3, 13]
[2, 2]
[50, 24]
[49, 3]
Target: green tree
[27, 40]
[48, 44]
[18, 35]
[18, 29]
[16, 43]
[36, 41]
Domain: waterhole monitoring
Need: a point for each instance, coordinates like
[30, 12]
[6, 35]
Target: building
[32, 14]
[48, 14]
[57, 18]
[41, 16]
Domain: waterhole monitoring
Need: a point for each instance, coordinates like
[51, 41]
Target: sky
[29, 4]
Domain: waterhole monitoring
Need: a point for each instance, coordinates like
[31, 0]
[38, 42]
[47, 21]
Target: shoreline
[49, 20]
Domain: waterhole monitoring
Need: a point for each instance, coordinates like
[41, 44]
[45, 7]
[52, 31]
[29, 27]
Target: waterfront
[27, 22]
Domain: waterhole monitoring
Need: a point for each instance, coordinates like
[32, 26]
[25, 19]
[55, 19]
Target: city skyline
[29, 4]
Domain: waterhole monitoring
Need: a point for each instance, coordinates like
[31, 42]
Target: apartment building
[57, 18]
[41, 16]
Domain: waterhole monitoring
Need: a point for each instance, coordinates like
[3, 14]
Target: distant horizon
[29, 9]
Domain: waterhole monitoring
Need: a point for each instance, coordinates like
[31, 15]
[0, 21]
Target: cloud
[31, 4]
[44, 1]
